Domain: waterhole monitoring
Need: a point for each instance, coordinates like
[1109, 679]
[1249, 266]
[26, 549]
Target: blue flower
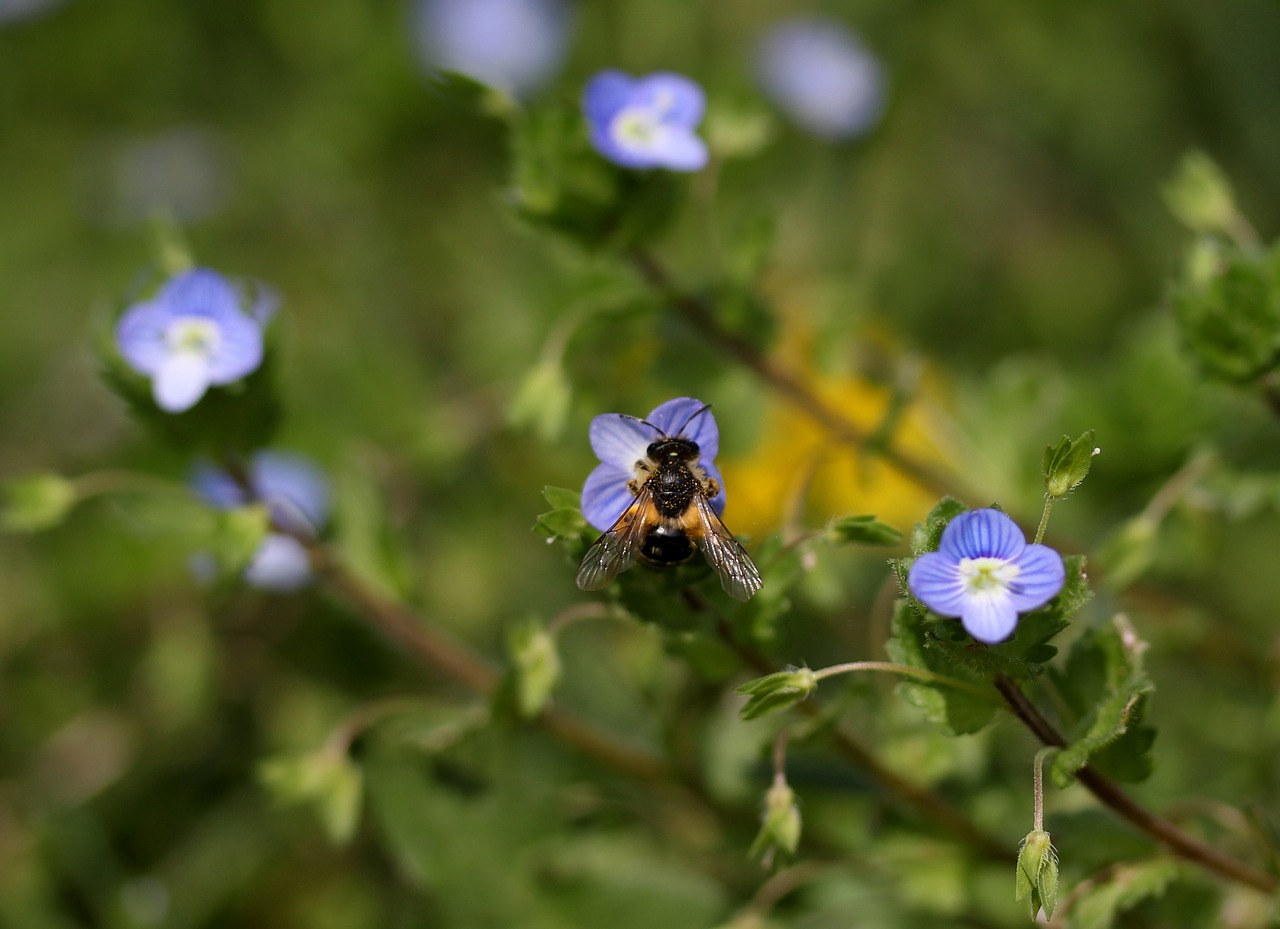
[194, 334]
[820, 75]
[985, 573]
[646, 122]
[513, 45]
[620, 441]
[295, 492]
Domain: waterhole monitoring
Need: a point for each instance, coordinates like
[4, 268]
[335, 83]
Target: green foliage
[1066, 464]
[932, 645]
[564, 519]
[536, 665]
[328, 781]
[1123, 889]
[541, 402]
[928, 533]
[1228, 310]
[36, 502]
[776, 691]
[560, 183]
[1105, 686]
[863, 530]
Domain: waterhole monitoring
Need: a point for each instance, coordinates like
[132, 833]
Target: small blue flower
[295, 492]
[821, 76]
[985, 573]
[646, 122]
[620, 441]
[513, 45]
[194, 334]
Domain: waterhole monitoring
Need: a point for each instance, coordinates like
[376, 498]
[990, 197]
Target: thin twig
[785, 382]
[1111, 795]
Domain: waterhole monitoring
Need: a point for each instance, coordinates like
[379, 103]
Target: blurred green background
[1001, 230]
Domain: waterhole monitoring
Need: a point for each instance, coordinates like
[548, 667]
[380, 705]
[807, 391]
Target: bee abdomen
[665, 547]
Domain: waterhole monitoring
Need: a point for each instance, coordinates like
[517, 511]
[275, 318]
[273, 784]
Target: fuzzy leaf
[916, 642]
[1105, 684]
[1129, 885]
[863, 530]
[928, 534]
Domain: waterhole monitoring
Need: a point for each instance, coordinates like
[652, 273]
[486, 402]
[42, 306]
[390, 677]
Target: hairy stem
[1110, 794]
[921, 674]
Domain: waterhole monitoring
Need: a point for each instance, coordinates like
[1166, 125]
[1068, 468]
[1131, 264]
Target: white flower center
[193, 334]
[635, 126]
[987, 575]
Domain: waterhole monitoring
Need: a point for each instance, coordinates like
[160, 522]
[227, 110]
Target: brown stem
[785, 382]
[1111, 795]
[925, 801]
[440, 653]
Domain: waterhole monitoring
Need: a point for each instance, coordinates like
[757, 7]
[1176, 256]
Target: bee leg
[711, 487]
[633, 485]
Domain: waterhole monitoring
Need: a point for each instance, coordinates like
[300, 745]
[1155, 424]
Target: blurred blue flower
[513, 45]
[192, 335]
[821, 76]
[646, 122]
[296, 494]
[985, 573]
[620, 441]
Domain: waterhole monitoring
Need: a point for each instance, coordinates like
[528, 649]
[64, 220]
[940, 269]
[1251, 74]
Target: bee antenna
[692, 416]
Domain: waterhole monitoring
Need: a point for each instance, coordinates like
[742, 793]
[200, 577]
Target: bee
[669, 518]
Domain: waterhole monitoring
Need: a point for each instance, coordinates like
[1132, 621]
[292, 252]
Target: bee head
[678, 449]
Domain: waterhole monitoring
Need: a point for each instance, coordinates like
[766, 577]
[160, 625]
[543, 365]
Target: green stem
[1044, 518]
[929, 677]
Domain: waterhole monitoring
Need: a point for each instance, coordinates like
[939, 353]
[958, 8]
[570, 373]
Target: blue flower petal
[620, 440]
[680, 150]
[239, 350]
[984, 533]
[605, 496]
[281, 564]
[296, 491]
[673, 98]
[199, 292]
[141, 336]
[217, 488]
[672, 418]
[990, 618]
[181, 379]
[935, 581]
[606, 94]
[1041, 576]
[717, 502]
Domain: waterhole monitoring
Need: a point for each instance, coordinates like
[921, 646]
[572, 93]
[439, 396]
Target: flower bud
[1067, 463]
[777, 691]
[36, 502]
[1037, 873]
[780, 825]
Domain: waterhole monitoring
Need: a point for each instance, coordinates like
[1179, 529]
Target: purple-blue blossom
[194, 334]
[820, 75]
[985, 573]
[513, 45]
[296, 494]
[620, 441]
[646, 122]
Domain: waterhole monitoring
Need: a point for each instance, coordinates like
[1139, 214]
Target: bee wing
[739, 575]
[619, 546]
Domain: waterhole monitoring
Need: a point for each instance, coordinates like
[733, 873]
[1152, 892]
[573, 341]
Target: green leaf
[1105, 684]
[36, 502]
[328, 781]
[541, 402]
[1067, 463]
[465, 91]
[1228, 311]
[863, 530]
[1130, 884]
[927, 534]
[918, 642]
[536, 665]
[562, 498]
